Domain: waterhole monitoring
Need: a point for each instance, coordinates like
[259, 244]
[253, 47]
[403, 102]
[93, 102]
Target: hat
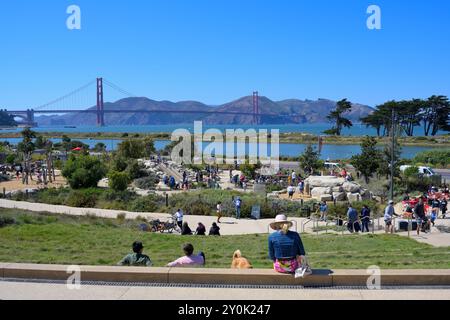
[391, 202]
[280, 220]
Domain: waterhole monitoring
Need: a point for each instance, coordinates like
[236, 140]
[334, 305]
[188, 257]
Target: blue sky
[218, 50]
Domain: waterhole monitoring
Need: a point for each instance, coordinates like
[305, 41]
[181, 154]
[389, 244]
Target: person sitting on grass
[201, 230]
[189, 259]
[136, 259]
[215, 230]
[185, 230]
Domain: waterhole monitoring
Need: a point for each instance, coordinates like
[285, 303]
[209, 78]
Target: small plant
[121, 217]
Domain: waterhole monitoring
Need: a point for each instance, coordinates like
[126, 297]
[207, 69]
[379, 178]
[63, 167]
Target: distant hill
[292, 111]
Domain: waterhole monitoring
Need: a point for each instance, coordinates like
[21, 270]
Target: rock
[339, 196]
[162, 187]
[319, 191]
[324, 181]
[337, 189]
[366, 195]
[351, 187]
[353, 197]
[326, 197]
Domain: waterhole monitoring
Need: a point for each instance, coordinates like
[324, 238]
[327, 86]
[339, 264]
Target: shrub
[6, 221]
[83, 171]
[147, 183]
[434, 157]
[118, 181]
[83, 198]
[150, 203]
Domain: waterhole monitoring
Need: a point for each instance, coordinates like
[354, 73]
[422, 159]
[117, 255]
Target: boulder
[339, 196]
[351, 187]
[353, 197]
[324, 181]
[366, 195]
[319, 191]
[162, 187]
[326, 197]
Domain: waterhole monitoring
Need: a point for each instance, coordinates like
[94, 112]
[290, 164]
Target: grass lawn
[45, 238]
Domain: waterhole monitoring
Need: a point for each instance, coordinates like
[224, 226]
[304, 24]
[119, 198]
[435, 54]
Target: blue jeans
[238, 212]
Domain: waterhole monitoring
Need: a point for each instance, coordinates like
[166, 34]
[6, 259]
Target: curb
[319, 278]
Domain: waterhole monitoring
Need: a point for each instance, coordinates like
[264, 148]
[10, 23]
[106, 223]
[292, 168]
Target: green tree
[337, 117]
[132, 149]
[435, 115]
[83, 171]
[100, 147]
[368, 162]
[118, 181]
[310, 161]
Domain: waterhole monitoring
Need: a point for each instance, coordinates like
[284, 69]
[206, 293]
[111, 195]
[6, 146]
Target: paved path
[39, 291]
[229, 226]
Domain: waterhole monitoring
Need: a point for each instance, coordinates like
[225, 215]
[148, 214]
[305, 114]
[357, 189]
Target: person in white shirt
[179, 218]
[290, 191]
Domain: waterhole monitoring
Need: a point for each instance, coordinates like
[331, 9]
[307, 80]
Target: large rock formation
[329, 188]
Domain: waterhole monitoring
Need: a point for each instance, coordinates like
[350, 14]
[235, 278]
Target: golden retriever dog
[239, 262]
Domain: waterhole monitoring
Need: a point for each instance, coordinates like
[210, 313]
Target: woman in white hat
[285, 247]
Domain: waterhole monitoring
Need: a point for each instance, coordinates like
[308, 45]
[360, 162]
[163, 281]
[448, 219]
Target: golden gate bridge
[65, 105]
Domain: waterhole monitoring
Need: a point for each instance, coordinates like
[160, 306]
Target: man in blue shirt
[352, 216]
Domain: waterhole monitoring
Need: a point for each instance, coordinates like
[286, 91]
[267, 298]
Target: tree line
[431, 114]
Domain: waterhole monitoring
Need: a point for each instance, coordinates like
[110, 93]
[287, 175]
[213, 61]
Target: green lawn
[44, 238]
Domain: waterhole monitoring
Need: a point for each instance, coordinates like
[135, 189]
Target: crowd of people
[285, 250]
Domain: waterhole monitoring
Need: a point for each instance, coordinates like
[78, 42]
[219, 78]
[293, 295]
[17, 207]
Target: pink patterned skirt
[286, 265]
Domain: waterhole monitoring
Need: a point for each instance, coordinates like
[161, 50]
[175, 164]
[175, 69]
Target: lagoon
[331, 152]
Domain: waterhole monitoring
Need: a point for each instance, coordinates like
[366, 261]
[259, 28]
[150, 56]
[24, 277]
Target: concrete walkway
[229, 226]
[40, 291]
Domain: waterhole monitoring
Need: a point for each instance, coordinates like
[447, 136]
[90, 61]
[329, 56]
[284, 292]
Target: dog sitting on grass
[239, 262]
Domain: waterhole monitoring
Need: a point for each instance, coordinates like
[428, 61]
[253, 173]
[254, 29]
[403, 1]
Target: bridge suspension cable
[119, 89]
[66, 96]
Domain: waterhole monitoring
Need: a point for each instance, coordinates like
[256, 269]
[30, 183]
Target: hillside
[291, 111]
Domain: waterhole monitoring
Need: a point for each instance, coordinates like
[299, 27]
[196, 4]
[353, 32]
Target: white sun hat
[280, 220]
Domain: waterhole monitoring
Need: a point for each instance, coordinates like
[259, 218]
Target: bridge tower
[256, 119]
[100, 107]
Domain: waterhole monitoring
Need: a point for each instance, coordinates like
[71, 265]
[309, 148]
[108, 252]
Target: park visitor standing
[389, 214]
[323, 211]
[219, 211]
[238, 205]
[365, 218]
[179, 218]
[352, 216]
[290, 191]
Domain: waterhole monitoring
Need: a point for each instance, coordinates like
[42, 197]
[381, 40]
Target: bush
[150, 203]
[434, 157]
[6, 221]
[118, 181]
[83, 198]
[84, 171]
[136, 170]
[147, 183]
